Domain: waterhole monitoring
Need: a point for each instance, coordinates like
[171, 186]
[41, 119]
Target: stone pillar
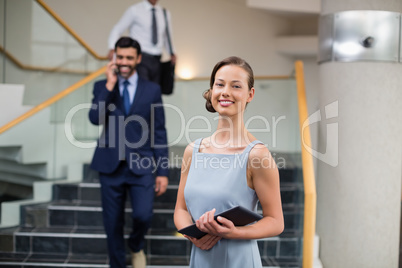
[359, 198]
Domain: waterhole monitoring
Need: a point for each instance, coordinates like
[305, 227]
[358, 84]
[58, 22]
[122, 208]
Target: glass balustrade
[64, 131]
[38, 52]
[271, 117]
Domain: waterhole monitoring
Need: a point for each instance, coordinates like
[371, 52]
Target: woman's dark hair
[125, 42]
[228, 61]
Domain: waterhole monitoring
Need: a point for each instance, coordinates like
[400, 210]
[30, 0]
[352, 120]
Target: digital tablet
[239, 215]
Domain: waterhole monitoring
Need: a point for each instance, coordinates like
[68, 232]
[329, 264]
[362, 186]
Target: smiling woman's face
[230, 91]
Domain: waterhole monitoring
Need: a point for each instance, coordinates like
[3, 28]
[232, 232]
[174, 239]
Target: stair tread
[100, 260]
[98, 232]
[52, 259]
[96, 184]
[159, 206]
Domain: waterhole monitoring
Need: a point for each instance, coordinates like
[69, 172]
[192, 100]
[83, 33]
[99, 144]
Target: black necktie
[126, 97]
[154, 28]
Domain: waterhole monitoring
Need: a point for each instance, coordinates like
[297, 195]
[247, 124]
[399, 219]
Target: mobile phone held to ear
[115, 69]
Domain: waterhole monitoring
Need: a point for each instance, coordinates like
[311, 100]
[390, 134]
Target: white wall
[14, 41]
[297, 6]
[11, 100]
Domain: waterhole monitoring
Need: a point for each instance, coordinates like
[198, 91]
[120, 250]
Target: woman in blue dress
[230, 168]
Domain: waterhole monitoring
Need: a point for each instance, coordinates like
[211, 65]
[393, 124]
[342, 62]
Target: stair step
[21, 180]
[71, 240]
[91, 176]
[37, 170]
[11, 153]
[100, 261]
[52, 260]
[76, 192]
[287, 175]
[89, 214]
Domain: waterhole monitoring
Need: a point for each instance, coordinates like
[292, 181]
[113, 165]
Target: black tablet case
[239, 215]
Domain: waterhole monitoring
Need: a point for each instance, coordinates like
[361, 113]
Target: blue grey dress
[220, 181]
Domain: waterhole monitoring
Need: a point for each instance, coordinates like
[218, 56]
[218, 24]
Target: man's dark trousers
[114, 189]
[150, 67]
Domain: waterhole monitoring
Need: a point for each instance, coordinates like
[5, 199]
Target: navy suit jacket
[139, 138]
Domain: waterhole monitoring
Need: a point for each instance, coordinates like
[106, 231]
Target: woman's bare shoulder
[260, 157]
[259, 151]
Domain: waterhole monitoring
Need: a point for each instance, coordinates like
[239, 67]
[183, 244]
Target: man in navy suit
[131, 150]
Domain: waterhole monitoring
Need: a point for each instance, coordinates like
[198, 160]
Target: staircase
[68, 231]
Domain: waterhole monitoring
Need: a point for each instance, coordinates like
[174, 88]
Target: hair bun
[208, 104]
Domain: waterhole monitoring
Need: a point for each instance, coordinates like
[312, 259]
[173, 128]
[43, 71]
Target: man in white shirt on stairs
[146, 24]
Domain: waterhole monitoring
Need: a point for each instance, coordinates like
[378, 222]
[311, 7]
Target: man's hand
[161, 184]
[110, 54]
[173, 58]
[111, 77]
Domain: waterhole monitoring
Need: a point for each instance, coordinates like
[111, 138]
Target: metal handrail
[38, 68]
[53, 99]
[310, 195]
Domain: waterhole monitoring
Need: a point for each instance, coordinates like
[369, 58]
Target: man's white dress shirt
[138, 19]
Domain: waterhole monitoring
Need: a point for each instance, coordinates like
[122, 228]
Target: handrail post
[310, 195]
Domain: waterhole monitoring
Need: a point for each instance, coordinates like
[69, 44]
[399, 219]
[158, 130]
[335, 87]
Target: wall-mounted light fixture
[360, 35]
[185, 73]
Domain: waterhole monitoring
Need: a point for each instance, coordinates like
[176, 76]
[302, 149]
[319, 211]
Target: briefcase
[167, 77]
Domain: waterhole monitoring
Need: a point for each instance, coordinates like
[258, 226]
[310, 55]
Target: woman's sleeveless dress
[220, 181]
